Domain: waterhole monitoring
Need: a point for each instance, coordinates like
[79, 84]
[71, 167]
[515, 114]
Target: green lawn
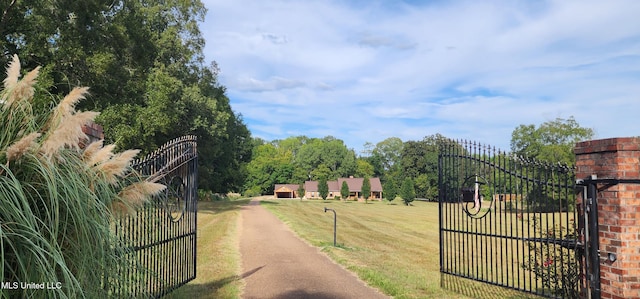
[390, 246]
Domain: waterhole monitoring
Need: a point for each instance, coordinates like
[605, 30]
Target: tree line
[144, 64]
[301, 158]
[402, 167]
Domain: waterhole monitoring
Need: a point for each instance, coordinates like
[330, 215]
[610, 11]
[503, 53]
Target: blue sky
[363, 71]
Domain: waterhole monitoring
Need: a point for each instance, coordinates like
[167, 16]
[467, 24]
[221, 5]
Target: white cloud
[465, 69]
[274, 83]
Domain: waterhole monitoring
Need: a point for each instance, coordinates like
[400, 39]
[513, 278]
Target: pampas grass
[19, 148]
[68, 133]
[13, 73]
[57, 201]
[137, 193]
[117, 166]
[95, 154]
[15, 90]
[67, 105]
[91, 149]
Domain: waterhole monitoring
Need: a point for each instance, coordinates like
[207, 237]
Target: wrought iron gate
[162, 235]
[511, 221]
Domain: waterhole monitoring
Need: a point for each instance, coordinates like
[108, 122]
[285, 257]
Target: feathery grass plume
[137, 193]
[68, 133]
[17, 90]
[117, 166]
[13, 73]
[16, 150]
[24, 89]
[99, 156]
[91, 149]
[68, 104]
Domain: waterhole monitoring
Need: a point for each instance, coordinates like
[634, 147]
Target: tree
[390, 190]
[301, 191]
[293, 145]
[344, 190]
[145, 65]
[364, 168]
[269, 166]
[407, 191]
[366, 189]
[375, 161]
[330, 155]
[367, 149]
[323, 189]
[322, 172]
[389, 151]
[421, 184]
[419, 161]
[552, 141]
[337, 157]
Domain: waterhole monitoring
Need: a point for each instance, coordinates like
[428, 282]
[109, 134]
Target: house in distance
[311, 189]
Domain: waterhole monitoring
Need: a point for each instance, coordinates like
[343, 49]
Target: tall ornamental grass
[58, 199]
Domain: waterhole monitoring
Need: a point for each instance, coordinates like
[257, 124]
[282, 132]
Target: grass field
[390, 246]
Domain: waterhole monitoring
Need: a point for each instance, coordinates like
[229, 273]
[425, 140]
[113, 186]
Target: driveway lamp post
[335, 219]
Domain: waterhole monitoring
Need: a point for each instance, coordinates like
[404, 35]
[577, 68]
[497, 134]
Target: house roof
[376, 185]
[285, 188]
[355, 185]
[333, 186]
[311, 186]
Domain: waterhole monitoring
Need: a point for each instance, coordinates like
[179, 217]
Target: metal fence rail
[509, 221]
[162, 235]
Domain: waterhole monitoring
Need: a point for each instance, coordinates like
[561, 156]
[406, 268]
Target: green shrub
[204, 195]
[557, 267]
[208, 195]
[254, 191]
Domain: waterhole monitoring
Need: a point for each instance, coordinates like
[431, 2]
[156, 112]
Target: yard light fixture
[335, 219]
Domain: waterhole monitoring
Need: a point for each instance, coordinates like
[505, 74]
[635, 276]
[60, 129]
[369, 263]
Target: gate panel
[508, 221]
[162, 234]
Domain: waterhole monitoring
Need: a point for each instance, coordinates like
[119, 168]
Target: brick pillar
[94, 131]
[618, 209]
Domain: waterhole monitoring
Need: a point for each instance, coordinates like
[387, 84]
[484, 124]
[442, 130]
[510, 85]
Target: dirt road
[277, 264]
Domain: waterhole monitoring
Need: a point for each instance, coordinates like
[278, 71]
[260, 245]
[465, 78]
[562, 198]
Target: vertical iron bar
[458, 253]
[594, 242]
[514, 193]
[440, 207]
[194, 202]
[528, 227]
[455, 207]
[545, 196]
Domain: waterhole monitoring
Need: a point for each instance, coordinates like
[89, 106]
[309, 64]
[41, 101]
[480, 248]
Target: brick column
[618, 209]
[94, 132]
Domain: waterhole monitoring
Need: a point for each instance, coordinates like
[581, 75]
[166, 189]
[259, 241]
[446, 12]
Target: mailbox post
[335, 219]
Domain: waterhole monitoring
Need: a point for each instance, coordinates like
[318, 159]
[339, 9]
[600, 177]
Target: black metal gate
[511, 221]
[162, 235]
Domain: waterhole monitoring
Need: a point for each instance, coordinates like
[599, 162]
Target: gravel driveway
[276, 264]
